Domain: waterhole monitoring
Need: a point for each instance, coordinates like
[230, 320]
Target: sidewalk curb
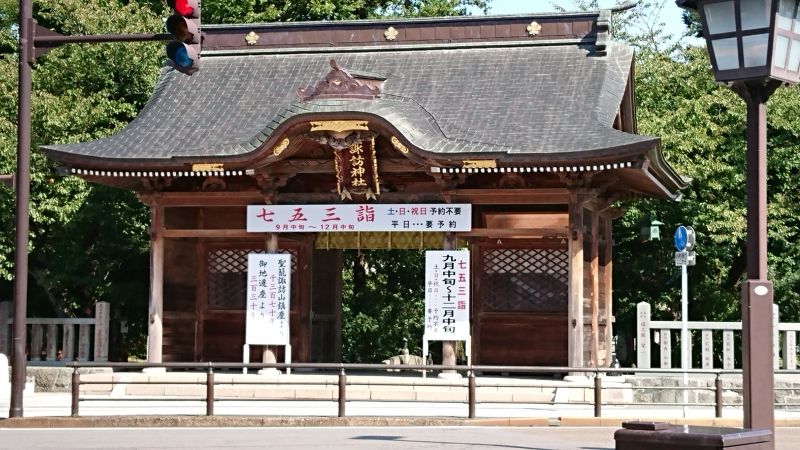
[260, 421]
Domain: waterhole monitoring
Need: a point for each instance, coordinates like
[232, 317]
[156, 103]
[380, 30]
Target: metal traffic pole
[48, 40]
[23, 186]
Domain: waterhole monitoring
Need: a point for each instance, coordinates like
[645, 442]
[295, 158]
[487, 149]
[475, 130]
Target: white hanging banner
[447, 295]
[359, 217]
[268, 297]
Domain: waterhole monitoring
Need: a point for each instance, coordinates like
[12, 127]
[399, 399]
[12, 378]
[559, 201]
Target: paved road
[311, 438]
[351, 438]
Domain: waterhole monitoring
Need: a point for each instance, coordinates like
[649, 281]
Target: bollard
[598, 395]
[210, 391]
[718, 396]
[342, 396]
[76, 391]
[471, 394]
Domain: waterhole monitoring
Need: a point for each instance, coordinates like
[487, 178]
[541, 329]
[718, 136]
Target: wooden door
[221, 302]
[520, 303]
[326, 306]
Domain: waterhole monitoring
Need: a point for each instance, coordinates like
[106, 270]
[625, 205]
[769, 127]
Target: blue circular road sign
[684, 238]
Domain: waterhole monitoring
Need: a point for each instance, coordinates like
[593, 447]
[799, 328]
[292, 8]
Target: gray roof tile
[551, 101]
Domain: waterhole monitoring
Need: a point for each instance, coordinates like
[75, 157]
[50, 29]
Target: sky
[671, 14]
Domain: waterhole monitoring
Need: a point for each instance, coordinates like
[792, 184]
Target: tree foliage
[223, 11]
[702, 127]
[383, 303]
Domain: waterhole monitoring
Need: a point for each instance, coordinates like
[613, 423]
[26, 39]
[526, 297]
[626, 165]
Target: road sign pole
[685, 257]
[685, 333]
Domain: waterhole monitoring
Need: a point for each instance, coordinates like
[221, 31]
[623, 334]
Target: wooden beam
[208, 198]
[515, 232]
[333, 197]
[552, 196]
[215, 233]
[326, 165]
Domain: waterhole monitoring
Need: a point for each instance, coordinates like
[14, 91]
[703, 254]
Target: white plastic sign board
[447, 295]
[268, 299]
[359, 217]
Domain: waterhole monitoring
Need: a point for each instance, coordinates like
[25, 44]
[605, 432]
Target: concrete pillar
[666, 349]
[790, 350]
[102, 316]
[52, 342]
[68, 341]
[727, 350]
[708, 350]
[84, 333]
[37, 342]
[643, 335]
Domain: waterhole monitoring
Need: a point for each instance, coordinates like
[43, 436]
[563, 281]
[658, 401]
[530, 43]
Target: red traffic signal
[184, 24]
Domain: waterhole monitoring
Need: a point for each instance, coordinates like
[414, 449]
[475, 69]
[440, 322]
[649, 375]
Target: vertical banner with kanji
[447, 295]
[268, 296]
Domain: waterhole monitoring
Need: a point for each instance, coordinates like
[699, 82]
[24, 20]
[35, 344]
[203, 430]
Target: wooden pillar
[155, 331]
[449, 347]
[268, 356]
[594, 279]
[575, 309]
[607, 299]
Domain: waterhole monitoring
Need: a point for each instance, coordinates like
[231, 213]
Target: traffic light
[184, 24]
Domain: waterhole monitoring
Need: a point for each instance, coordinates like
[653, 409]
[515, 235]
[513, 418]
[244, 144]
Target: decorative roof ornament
[339, 83]
[251, 38]
[280, 147]
[398, 145]
[534, 29]
[390, 34]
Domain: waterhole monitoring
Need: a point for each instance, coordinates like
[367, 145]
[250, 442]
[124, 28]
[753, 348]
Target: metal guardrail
[598, 375]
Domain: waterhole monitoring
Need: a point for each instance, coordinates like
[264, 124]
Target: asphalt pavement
[351, 438]
[119, 423]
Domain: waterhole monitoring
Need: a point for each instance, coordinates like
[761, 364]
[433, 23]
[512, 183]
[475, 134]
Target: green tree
[88, 242]
[223, 11]
[642, 26]
[702, 127]
[382, 303]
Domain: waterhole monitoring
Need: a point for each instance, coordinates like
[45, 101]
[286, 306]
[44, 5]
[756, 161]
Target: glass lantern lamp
[751, 39]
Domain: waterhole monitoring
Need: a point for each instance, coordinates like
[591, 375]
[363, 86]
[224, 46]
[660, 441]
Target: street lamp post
[754, 46]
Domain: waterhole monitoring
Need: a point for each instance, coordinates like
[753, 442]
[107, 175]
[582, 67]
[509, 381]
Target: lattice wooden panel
[380, 240]
[534, 280]
[227, 276]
